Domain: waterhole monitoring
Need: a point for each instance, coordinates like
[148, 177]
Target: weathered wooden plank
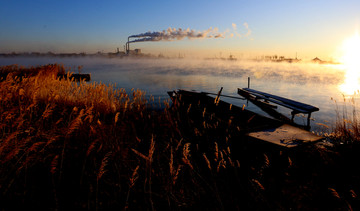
[286, 136]
[221, 95]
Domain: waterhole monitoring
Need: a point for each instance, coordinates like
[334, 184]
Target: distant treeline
[50, 54]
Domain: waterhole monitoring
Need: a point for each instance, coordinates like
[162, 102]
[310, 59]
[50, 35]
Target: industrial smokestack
[127, 46]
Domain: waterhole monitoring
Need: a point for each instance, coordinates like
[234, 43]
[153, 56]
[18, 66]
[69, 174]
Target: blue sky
[310, 28]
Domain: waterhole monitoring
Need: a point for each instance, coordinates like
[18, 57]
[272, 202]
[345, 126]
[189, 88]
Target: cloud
[234, 26]
[236, 33]
[248, 30]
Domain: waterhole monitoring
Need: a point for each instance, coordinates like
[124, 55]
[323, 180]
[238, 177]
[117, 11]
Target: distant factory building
[134, 52]
[317, 60]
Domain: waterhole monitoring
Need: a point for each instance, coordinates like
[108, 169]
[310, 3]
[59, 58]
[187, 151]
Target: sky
[306, 29]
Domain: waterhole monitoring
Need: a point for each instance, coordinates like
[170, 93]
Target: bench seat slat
[296, 106]
[298, 110]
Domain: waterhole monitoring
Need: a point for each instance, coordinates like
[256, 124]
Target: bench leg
[308, 120]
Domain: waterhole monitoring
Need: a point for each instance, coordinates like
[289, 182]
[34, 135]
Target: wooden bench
[295, 106]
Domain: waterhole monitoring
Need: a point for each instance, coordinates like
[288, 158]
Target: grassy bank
[68, 145]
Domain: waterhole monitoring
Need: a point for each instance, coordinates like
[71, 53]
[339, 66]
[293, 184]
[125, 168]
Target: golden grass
[78, 145]
[90, 137]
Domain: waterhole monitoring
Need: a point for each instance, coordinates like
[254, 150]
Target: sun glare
[351, 61]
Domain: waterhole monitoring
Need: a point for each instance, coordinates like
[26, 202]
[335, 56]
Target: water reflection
[350, 86]
[351, 83]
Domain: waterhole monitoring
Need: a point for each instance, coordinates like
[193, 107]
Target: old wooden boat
[249, 123]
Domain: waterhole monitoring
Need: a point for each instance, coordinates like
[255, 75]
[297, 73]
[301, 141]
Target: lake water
[316, 84]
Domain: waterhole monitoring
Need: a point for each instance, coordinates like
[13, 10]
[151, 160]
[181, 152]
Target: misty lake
[317, 84]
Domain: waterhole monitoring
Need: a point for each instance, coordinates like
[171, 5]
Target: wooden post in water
[247, 101]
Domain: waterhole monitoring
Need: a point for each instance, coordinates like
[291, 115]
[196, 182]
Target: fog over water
[315, 84]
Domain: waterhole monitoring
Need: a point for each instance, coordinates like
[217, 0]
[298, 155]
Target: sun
[351, 51]
[351, 61]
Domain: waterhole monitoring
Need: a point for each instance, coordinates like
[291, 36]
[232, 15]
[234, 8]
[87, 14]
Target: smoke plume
[172, 34]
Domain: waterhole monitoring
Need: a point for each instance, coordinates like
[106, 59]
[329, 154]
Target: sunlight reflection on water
[351, 84]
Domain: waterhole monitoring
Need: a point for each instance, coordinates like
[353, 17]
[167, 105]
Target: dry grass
[69, 145]
[21, 71]
[347, 123]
